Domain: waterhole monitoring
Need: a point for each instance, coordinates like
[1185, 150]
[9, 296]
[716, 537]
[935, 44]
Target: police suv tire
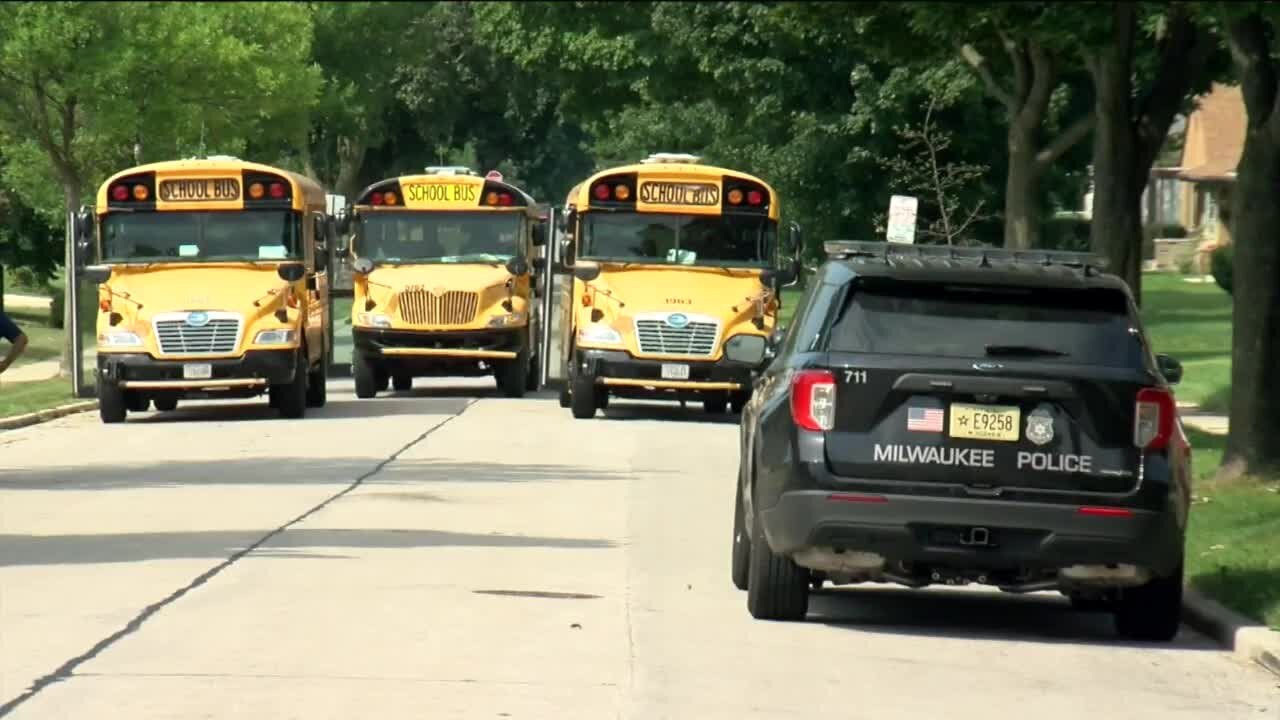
[777, 588]
[111, 408]
[366, 379]
[582, 399]
[166, 403]
[741, 565]
[293, 396]
[1151, 612]
[402, 382]
[318, 385]
[715, 405]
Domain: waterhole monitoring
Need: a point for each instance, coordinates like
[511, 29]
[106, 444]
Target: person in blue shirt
[17, 340]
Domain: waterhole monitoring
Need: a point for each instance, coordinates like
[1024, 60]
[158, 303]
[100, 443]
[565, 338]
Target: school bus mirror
[362, 266]
[344, 221]
[797, 240]
[517, 266]
[586, 273]
[97, 273]
[84, 225]
[313, 283]
[539, 264]
[291, 272]
[540, 234]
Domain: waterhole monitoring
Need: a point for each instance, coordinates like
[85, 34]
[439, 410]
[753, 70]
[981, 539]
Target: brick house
[1211, 150]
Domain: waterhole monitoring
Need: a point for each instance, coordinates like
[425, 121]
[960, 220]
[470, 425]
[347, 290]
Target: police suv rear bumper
[937, 531]
[621, 371]
[254, 368]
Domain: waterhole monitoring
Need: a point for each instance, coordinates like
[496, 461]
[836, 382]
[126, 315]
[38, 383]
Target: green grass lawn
[27, 397]
[1192, 322]
[44, 341]
[1233, 547]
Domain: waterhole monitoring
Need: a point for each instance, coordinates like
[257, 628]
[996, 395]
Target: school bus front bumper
[139, 371]
[489, 344]
[621, 371]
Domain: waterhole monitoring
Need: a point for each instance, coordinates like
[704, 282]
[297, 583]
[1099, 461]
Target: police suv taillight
[813, 399]
[1153, 418]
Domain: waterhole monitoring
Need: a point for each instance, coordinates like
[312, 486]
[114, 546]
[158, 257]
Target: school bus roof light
[140, 192]
[621, 192]
[376, 198]
[256, 191]
[735, 197]
[120, 193]
[601, 192]
[277, 190]
[491, 198]
[389, 198]
[504, 199]
[755, 197]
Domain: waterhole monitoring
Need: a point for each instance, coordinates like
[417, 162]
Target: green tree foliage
[88, 88]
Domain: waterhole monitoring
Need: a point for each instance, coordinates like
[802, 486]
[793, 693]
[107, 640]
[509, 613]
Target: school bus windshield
[435, 237]
[201, 236]
[679, 239]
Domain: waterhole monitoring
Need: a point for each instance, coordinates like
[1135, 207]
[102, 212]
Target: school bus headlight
[377, 320]
[507, 320]
[748, 349]
[119, 338]
[601, 334]
[275, 337]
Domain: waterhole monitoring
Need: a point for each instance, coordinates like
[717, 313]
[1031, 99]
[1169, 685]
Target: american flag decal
[924, 419]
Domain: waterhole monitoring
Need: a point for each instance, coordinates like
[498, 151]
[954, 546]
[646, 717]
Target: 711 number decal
[855, 376]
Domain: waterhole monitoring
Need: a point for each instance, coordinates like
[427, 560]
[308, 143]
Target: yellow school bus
[441, 279]
[675, 289]
[212, 284]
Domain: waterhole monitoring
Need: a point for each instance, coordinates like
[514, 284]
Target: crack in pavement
[66, 670]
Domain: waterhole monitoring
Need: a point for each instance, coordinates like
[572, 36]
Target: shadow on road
[623, 411]
[289, 471]
[305, 543]
[976, 615]
[447, 401]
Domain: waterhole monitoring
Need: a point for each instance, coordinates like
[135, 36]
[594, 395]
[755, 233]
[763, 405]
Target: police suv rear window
[1077, 326]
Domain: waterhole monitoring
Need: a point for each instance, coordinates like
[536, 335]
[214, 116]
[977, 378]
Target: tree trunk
[1252, 447]
[1115, 232]
[1021, 195]
[351, 154]
[1255, 344]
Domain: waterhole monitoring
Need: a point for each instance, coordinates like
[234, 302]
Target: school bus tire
[533, 376]
[166, 403]
[565, 400]
[715, 405]
[317, 385]
[293, 396]
[582, 397]
[513, 375]
[402, 382]
[111, 408]
[365, 376]
[135, 401]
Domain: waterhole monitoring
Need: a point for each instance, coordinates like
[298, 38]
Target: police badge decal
[1040, 426]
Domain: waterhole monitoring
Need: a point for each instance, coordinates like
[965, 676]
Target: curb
[20, 421]
[1245, 638]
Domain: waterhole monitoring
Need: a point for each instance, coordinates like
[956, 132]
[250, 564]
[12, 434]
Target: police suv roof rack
[984, 255]
[449, 170]
[662, 157]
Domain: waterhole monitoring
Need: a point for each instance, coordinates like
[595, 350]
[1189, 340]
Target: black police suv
[965, 415]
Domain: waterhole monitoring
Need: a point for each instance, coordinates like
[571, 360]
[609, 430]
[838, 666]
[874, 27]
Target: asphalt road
[448, 554]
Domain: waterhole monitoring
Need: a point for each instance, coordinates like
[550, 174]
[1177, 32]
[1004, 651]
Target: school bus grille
[656, 337]
[219, 336]
[454, 307]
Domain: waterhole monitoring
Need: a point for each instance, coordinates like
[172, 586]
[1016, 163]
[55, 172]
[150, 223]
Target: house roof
[1215, 136]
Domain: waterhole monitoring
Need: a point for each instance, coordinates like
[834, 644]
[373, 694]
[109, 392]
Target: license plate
[197, 371]
[984, 422]
[675, 372]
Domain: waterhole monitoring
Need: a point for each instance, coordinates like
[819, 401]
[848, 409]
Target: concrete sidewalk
[31, 372]
[35, 302]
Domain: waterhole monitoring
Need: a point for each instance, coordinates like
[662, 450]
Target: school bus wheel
[111, 406]
[293, 395]
[365, 375]
[582, 397]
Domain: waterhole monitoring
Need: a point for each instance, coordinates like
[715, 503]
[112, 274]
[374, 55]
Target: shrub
[1187, 265]
[1065, 233]
[1171, 231]
[1220, 266]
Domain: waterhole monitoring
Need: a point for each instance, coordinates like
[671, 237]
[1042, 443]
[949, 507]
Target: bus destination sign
[678, 193]
[200, 190]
